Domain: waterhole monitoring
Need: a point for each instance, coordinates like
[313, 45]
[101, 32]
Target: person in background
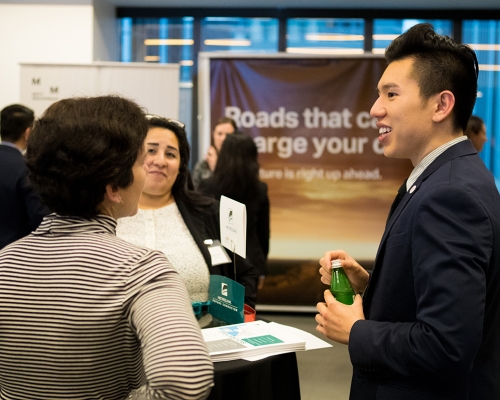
[177, 220]
[205, 168]
[476, 132]
[428, 323]
[237, 176]
[21, 209]
[84, 314]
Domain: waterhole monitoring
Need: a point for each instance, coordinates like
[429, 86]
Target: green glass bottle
[340, 286]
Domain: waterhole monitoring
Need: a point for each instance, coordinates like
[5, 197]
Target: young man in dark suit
[21, 210]
[428, 324]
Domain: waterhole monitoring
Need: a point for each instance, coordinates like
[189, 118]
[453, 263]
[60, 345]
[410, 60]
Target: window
[161, 40]
[325, 36]
[484, 37]
[386, 30]
[251, 35]
[171, 40]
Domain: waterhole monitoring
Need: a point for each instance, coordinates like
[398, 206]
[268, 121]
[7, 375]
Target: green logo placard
[227, 299]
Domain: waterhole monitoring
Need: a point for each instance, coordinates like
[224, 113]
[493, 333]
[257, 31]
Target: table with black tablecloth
[274, 377]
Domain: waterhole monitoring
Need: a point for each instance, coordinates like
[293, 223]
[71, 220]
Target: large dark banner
[330, 185]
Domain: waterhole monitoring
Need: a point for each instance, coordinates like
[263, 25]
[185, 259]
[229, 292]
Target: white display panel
[154, 87]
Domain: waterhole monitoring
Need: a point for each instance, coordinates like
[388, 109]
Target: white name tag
[217, 253]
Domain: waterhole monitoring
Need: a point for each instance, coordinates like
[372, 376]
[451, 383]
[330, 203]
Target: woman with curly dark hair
[175, 219]
[85, 315]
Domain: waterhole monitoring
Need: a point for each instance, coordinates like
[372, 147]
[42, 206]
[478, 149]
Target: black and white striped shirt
[86, 315]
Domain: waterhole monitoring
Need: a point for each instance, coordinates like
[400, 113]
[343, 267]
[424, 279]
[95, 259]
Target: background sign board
[154, 87]
[330, 185]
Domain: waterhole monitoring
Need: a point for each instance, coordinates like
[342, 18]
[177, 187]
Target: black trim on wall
[457, 30]
[282, 39]
[194, 102]
[454, 14]
[368, 33]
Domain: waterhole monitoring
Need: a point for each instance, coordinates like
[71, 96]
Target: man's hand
[357, 275]
[335, 319]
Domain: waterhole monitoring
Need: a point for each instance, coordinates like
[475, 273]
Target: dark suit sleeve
[35, 209]
[449, 245]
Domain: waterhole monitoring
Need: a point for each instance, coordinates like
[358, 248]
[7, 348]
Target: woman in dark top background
[205, 168]
[237, 176]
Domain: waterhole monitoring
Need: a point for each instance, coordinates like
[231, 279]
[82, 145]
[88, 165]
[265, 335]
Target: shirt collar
[429, 158]
[56, 224]
[9, 144]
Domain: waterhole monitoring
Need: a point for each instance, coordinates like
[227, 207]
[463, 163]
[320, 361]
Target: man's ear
[27, 133]
[113, 194]
[444, 105]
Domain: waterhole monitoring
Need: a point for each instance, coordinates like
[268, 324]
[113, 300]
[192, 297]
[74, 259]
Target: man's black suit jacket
[432, 308]
[21, 210]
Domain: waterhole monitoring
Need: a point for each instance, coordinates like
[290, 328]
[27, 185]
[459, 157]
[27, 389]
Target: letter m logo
[35, 81]
[54, 89]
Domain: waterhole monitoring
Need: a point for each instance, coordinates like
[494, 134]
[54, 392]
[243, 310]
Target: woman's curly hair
[81, 145]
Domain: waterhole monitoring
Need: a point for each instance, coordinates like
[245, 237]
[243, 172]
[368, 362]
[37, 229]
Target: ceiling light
[489, 67]
[491, 47]
[312, 50]
[384, 37]
[333, 37]
[169, 42]
[228, 42]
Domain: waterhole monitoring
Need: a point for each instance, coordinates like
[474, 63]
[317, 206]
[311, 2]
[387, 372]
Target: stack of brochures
[253, 340]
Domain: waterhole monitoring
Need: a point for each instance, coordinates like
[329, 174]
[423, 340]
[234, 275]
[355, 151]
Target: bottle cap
[336, 263]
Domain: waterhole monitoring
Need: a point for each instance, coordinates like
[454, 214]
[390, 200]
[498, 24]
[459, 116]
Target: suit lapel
[459, 150]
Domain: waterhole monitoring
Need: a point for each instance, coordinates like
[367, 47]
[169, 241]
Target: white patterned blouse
[164, 229]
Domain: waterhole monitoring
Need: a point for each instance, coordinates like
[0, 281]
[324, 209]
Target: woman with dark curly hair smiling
[85, 315]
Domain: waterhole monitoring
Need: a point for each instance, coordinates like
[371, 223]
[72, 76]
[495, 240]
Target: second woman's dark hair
[183, 187]
[237, 169]
[81, 145]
